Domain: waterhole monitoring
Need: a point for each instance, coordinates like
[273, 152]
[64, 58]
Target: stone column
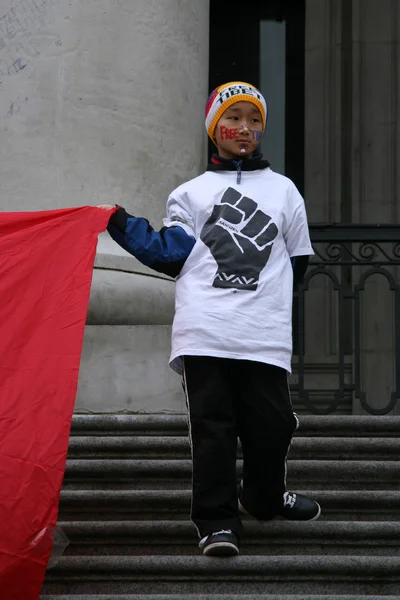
[352, 160]
[376, 176]
[322, 183]
[323, 110]
[103, 102]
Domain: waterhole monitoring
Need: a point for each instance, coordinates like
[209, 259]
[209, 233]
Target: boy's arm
[296, 235]
[164, 251]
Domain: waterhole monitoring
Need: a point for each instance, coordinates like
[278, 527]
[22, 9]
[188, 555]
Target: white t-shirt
[234, 293]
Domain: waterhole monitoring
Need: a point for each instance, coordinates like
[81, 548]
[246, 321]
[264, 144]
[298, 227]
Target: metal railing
[334, 295]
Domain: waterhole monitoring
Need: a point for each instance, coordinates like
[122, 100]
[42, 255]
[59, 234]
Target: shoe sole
[221, 549]
[317, 516]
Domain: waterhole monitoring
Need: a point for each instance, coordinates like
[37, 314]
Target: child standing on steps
[234, 238]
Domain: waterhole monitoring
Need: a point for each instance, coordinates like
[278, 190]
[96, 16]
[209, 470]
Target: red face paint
[228, 134]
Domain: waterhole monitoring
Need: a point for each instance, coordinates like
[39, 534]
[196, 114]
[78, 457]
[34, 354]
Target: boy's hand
[106, 206]
[240, 237]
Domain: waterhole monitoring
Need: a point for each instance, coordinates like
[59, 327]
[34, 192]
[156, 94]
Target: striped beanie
[227, 94]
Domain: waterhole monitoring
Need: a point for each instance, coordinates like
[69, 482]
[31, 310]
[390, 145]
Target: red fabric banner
[46, 266]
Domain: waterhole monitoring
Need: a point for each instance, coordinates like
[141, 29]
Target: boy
[232, 238]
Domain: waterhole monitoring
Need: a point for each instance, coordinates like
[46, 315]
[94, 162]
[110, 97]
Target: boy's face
[239, 131]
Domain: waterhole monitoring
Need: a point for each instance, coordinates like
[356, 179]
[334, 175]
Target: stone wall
[102, 102]
[352, 161]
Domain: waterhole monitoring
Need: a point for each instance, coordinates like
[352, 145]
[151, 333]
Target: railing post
[364, 375]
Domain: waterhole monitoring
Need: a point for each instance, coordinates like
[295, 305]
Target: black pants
[230, 399]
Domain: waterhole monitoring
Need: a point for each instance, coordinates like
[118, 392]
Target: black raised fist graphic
[240, 238]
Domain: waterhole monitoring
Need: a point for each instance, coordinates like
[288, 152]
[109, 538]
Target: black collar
[230, 164]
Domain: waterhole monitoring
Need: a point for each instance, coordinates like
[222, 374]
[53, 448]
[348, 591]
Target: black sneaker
[299, 508]
[220, 543]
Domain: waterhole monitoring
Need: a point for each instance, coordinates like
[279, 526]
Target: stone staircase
[126, 500]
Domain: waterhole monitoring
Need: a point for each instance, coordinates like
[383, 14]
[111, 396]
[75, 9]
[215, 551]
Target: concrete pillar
[322, 182]
[103, 102]
[109, 105]
[352, 157]
[376, 175]
[323, 110]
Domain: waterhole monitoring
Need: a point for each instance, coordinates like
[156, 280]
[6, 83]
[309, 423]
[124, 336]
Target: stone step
[157, 504]
[316, 426]
[344, 448]
[127, 517]
[332, 474]
[280, 575]
[215, 597]
[272, 538]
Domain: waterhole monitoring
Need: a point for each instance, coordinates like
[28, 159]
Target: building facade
[103, 102]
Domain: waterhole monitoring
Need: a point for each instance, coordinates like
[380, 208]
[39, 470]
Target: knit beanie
[227, 94]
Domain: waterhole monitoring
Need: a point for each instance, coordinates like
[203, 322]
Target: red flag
[46, 265]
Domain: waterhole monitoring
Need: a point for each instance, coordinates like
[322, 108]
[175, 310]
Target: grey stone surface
[127, 523]
[202, 567]
[93, 109]
[272, 574]
[91, 116]
[322, 111]
[357, 505]
[338, 531]
[129, 423]
[376, 127]
[133, 468]
[375, 107]
[146, 499]
[368, 191]
[120, 298]
[360, 473]
[179, 537]
[126, 368]
[179, 447]
[331, 425]
[109, 446]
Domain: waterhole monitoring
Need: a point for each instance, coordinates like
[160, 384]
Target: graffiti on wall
[18, 28]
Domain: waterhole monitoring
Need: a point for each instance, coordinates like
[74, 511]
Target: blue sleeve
[164, 251]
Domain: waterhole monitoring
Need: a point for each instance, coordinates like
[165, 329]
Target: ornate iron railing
[333, 303]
